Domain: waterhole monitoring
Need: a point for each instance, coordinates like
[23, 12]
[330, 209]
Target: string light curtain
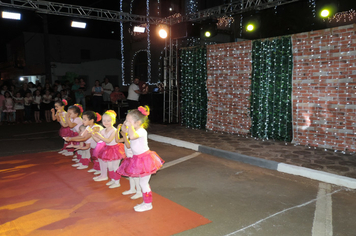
[193, 87]
[271, 89]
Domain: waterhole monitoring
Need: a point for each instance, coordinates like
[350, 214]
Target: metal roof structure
[61, 9]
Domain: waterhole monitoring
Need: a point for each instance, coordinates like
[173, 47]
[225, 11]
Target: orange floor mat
[42, 194]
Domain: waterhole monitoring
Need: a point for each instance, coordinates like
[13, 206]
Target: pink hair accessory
[80, 107]
[98, 117]
[65, 102]
[143, 111]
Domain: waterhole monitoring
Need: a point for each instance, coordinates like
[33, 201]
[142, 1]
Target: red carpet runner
[42, 194]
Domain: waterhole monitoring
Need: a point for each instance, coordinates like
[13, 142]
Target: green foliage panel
[193, 87]
[271, 89]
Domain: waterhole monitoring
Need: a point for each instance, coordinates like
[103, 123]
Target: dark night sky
[287, 19]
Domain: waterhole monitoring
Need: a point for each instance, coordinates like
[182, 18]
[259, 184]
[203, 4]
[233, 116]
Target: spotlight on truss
[139, 29]
[77, 24]
[250, 27]
[11, 15]
[325, 13]
[163, 31]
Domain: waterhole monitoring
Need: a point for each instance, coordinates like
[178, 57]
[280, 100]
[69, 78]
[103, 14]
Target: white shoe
[74, 159]
[143, 207]
[91, 170]
[97, 172]
[64, 152]
[110, 182]
[139, 204]
[128, 192]
[137, 195]
[61, 151]
[76, 165]
[75, 156]
[115, 185]
[99, 178]
[77, 160]
[82, 167]
[68, 154]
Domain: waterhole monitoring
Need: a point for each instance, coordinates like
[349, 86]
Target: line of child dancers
[115, 152]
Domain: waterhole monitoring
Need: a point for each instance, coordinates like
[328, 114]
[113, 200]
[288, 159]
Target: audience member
[134, 94]
[78, 92]
[27, 105]
[107, 88]
[117, 95]
[19, 107]
[97, 98]
[24, 90]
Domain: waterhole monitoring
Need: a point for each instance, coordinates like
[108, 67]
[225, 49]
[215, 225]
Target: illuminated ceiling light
[163, 33]
[207, 34]
[250, 27]
[22, 78]
[170, 9]
[11, 15]
[325, 13]
[77, 24]
[139, 29]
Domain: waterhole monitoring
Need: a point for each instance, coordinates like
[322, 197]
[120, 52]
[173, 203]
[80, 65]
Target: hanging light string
[133, 60]
[148, 43]
[122, 48]
[345, 16]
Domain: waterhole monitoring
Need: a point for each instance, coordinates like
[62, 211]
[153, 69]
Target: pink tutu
[9, 109]
[112, 153]
[98, 149]
[144, 164]
[65, 132]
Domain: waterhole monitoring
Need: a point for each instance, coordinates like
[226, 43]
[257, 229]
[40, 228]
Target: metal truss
[231, 9]
[62, 9]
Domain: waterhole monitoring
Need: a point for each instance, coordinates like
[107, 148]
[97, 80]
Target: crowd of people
[115, 152]
[29, 102]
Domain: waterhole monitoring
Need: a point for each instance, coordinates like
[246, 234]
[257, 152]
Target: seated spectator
[117, 95]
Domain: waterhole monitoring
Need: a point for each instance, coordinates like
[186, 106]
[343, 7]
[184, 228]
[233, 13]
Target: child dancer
[134, 181]
[74, 121]
[89, 119]
[19, 107]
[46, 101]
[28, 110]
[37, 100]
[111, 154]
[59, 114]
[83, 150]
[9, 108]
[144, 162]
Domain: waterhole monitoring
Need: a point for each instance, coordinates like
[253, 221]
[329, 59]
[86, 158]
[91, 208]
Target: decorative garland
[271, 89]
[193, 87]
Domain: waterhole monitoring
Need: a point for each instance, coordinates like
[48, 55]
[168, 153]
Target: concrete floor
[239, 199]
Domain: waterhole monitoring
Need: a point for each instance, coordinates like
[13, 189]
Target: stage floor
[42, 194]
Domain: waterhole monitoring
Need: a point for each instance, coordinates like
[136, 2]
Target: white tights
[145, 186]
[103, 168]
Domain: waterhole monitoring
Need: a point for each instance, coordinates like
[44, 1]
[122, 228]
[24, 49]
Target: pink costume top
[79, 123]
[9, 102]
[107, 135]
[139, 145]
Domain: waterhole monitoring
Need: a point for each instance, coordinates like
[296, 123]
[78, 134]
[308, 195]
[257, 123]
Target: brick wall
[324, 88]
[229, 71]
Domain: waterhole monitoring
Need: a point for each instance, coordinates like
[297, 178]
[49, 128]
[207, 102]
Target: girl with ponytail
[74, 121]
[59, 114]
[144, 162]
[89, 120]
[111, 153]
